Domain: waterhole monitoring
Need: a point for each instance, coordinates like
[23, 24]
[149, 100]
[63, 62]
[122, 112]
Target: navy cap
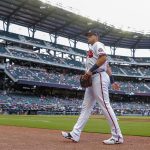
[92, 32]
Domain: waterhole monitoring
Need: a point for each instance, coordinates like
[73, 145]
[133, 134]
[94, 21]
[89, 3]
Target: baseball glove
[85, 81]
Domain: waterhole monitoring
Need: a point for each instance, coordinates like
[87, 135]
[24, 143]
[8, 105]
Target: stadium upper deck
[40, 44]
[63, 23]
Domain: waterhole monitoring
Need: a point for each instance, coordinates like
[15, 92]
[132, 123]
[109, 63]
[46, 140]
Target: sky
[131, 15]
[125, 14]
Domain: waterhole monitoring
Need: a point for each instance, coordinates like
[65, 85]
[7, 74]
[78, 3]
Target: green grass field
[129, 125]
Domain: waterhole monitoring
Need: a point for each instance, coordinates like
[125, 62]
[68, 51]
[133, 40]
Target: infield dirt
[21, 138]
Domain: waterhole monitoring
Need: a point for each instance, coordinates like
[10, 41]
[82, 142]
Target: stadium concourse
[32, 68]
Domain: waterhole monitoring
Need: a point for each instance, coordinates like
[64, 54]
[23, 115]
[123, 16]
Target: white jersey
[96, 50]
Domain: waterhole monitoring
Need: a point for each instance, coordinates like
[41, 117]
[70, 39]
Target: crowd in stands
[41, 43]
[45, 58]
[29, 102]
[12, 103]
[145, 71]
[131, 71]
[122, 70]
[42, 76]
[39, 75]
[142, 60]
[116, 70]
[48, 58]
[22, 54]
[57, 105]
[120, 58]
[132, 87]
[62, 48]
[53, 77]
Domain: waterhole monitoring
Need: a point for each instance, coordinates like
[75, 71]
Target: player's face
[91, 39]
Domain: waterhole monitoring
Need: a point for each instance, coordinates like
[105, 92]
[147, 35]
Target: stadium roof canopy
[44, 17]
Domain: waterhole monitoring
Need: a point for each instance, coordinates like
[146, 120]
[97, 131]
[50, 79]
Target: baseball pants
[98, 92]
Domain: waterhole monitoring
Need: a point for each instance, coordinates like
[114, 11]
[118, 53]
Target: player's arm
[101, 60]
[109, 71]
[115, 85]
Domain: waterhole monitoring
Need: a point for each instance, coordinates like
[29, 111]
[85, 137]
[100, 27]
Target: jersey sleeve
[100, 49]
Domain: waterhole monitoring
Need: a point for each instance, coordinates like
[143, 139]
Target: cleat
[112, 141]
[68, 136]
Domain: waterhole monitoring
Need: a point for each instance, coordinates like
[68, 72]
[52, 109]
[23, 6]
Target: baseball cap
[92, 32]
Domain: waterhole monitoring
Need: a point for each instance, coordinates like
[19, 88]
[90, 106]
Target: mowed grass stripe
[129, 125]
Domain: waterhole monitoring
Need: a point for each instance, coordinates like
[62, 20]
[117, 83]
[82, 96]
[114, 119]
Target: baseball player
[97, 68]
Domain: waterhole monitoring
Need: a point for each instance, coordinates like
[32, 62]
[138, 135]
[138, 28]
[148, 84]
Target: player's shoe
[69, 136]
[112, 141]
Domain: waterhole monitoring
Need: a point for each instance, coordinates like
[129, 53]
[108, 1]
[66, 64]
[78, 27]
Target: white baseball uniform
[98, 92]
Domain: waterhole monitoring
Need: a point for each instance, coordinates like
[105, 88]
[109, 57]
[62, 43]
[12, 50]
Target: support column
[31, 32]
[133, 53]
[70, 42]
[55, 53]
[50, 37]
[82, 59]
[6, 24]
[55, 38]
[111, 50]
[75, 43]
[114, 51]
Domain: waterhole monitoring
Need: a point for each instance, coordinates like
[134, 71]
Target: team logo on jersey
[100, 50]
[90, 53]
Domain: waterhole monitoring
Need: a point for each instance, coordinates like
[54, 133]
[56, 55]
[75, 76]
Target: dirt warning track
[21, 138]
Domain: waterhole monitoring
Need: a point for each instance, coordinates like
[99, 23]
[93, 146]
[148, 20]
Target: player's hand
[87, 75]
[115, 86]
